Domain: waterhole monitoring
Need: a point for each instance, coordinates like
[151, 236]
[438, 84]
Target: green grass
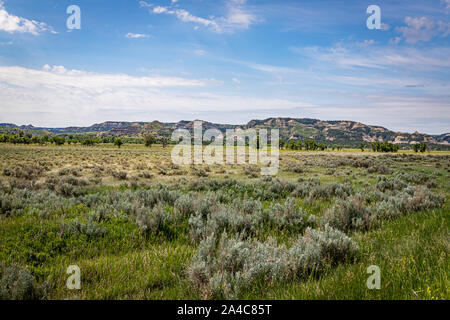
[411, 251]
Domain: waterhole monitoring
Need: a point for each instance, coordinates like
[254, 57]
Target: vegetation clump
[121, 212]
[18, 283]
[224, 266]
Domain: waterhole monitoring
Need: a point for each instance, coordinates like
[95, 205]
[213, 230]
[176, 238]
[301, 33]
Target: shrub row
[247, 217]
[224, 266]
[354, 214]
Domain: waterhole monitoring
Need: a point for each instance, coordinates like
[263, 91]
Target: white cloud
[237, 16]
[395, 40]
[159, 9]
[236, 80]
[54, 74]
[423, 29]
[185, 16]
[144, 4]
[380, 57]
[136, 35]
[11, 23]
[385, 27]
[58, 96]
[444, 28]
[365, 43]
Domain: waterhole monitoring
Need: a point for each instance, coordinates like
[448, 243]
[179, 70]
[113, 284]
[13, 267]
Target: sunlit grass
[411, 251]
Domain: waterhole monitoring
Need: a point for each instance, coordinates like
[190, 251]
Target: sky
[226, 61]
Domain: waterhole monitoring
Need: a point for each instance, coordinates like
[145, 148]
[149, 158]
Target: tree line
[309, 145]
[148, 140]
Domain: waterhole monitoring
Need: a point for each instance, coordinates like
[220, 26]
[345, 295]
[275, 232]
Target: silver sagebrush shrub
[17, 283]
[224, 266]
[350, 214]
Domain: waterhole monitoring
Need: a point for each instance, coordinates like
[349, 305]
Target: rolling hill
[347, 133]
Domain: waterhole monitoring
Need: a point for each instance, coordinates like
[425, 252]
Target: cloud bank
[56, 96]
[14, 24]
[237, 17]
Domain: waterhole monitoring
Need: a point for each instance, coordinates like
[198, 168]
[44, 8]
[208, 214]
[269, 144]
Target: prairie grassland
[140, 227]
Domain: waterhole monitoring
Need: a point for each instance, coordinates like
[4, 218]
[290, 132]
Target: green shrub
[184, 205]
[90, 228]
[223, 267]
[155, 221]
[380, 169]
[17, 283]
[288, 216]
[393, 183]
[409, 200]
[347, 215]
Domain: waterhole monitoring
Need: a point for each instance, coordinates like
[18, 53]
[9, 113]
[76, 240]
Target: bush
[409, 200]
[184, 205]
[303, 188]
[246, 217]
[333, 189]
[251, 171]
[347, 215]
[91, 229]
[381, 169]
[414, 177]
[312, 189]
[156, 220]
[334, 246]
[66, 185]
[21, 201]
[25, 171]
[294, 167]
[288, 216]
[221, 218]
[121, 175]
[223, 267]
[17, 283]
[393, 183]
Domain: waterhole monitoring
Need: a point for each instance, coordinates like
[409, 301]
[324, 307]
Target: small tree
[88, 142]
[164, 142]
[281, 143]
[58, 140]
[361, 146]
[118, 142]
[149, 140]
[44, 139]
[422, 147]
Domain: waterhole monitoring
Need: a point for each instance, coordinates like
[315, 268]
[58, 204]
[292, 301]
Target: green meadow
[140, 227]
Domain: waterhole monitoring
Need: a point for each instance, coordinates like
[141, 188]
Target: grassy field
[140, 227]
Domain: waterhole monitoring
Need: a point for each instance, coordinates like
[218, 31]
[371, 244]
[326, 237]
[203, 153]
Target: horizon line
[240, 124]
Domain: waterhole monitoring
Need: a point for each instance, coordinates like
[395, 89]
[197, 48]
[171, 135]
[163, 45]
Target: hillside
[348, 133]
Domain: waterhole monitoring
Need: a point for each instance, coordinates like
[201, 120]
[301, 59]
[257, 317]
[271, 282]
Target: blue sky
[226, 61]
